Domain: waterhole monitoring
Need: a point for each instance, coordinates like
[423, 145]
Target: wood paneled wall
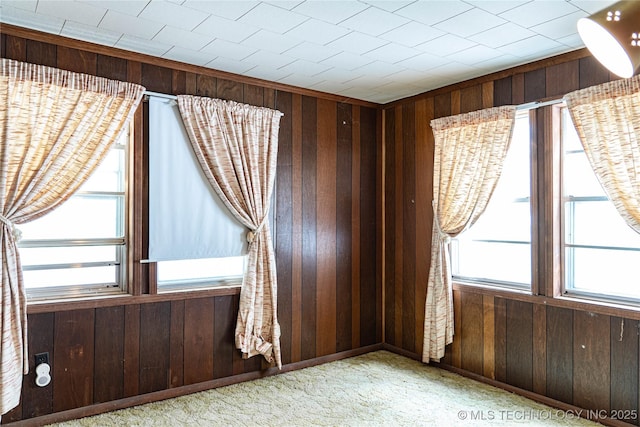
[575, 355]
[327, 235]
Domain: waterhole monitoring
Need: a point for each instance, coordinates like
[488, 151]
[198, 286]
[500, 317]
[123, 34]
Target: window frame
[45, 294]
[547, 221]
[565, 288]
[532, 199]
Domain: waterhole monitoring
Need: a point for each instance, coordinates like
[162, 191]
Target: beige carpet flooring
[375, 389]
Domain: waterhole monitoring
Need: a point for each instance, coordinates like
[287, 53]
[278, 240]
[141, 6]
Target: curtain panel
[469, 154]
[237, 147]
[607, 118]
[56, 127]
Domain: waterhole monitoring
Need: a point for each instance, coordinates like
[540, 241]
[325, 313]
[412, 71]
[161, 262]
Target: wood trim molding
[175, 65]
[574, 303]
[128, 299]
[575, 410]
[128, 402]
[555, 60]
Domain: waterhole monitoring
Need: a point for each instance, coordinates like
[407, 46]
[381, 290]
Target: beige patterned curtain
[607, 118]
[55, 126]
[469, 153]
[237, 147]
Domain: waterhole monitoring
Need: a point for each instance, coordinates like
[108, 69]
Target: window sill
[572, 302]
[51, 305]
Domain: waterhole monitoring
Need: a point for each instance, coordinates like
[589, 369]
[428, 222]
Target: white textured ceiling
[372, 50]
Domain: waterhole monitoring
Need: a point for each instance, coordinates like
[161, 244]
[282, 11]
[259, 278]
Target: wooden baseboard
[101, 408]
[519, 391]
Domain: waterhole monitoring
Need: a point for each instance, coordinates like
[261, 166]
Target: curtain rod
[527, 106]
[159, 95]
[538, 104]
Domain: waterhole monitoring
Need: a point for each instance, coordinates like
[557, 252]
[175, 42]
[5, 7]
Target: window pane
[604, 271]
[500, 262]
[497, 247]
[592, 222]
[492, 225]
[81, 217]
[108, 176]
[67, 255]
[598, 223]
[70, 276]
[581, 181]
[200, 269]
[62, 252]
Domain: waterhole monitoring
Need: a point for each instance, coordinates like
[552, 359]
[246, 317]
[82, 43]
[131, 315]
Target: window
[497, 248]
[79, 249]
[601, 252]
[175, 275]
[194, 239]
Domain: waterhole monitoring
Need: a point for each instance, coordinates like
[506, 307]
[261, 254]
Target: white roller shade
[187, 219]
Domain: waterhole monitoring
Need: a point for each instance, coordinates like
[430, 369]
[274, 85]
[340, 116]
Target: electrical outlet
[42, 358]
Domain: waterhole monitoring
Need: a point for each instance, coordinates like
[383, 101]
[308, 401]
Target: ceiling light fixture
[613, 37]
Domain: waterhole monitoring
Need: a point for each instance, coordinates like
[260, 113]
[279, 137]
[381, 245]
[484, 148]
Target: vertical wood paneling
[223, 336]
[206, 86]
[488, 337]
[131, 350]
[79, 61]
[390, 228]
[254, 95]
[487, 95]
[456, 108]
[592, 72]
[309, 263]
[191, 84]
[534, 85]
[157, 79]
[520, 344]
[155, 327]
[562, 78]
[471, 332]
[36, 400]
[424, 212]
[198, 340]
[502, 91]
[108, 379]
[230, 90]
[239, 364]
[15, 48]
[591, 360]
[397, 197]
[111, 67]
[517, 89]
[624, 366]
[343, 239]
[355, 227]
[72, 375]
[297, 235]
[560, 354]
[408, 198]
[370, 302]
[41, 53]
[471, 99]
[176, 356]
[539, 349]
[456, 345]
[284, 225]
[501, 338]
[326, 229]
[178, 82]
